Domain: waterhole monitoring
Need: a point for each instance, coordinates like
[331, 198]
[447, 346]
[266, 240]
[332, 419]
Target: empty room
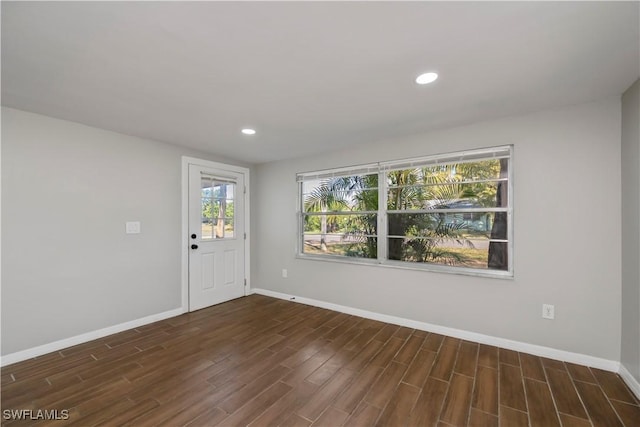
[320, 214]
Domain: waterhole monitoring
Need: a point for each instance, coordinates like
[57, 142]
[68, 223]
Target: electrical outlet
[548, 311]
[285, 273]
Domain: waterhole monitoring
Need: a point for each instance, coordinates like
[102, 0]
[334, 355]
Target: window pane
[207, 229]
[352, 193]
[341, 224]
[347, 235]
[467, 224]
[223, 227]
[452, 186]
[492, 194]
[470, 171]
[351, 246]
[464, 239]
[481, 254]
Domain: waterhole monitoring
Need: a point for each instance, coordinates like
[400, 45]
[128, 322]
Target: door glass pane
[217, 208]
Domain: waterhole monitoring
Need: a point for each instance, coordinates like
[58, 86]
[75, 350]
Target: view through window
[447, 212]
[217, 208]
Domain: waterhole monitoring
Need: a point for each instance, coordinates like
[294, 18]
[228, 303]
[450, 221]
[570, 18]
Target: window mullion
[382, 217]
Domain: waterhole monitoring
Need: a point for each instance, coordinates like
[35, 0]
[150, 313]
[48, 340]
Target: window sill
[433, 268]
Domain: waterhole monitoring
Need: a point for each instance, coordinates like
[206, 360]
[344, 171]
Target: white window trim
[382, 168]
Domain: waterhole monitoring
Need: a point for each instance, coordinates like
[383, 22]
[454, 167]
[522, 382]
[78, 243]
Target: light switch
[132, 227]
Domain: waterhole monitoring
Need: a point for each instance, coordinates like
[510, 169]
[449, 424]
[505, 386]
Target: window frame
[382, 169]
[335, 173]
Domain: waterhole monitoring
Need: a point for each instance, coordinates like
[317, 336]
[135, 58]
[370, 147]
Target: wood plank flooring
[260, 361]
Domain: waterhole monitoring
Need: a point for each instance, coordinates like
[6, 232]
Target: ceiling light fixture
[426, 78]
[248, 131]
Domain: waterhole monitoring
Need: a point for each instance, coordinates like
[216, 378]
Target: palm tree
[422, 188]
[362, 229]
[325, 198]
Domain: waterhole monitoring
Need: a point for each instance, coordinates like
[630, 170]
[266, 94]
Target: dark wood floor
[265, 362]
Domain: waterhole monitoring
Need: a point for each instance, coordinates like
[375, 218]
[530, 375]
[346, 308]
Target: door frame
[184, 237]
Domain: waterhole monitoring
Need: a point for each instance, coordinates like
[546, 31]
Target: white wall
[67, 265]
[630, 356]
[567, 235]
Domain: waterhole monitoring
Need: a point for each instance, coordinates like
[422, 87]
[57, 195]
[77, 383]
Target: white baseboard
[551, 353]
[631, 381]
[86, 337]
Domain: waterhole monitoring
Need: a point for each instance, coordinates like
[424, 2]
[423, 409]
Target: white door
[216, 236]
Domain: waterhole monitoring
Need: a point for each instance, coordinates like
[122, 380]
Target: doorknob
[193, 236]
[194, 246]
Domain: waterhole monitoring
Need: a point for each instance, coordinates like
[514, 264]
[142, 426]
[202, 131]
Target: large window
[449, 213]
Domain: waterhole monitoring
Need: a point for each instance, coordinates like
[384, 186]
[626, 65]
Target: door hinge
[245, 236]
[245, 283]
[245, 189]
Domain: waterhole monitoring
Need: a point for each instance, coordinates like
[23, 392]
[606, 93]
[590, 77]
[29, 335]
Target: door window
[217, 207]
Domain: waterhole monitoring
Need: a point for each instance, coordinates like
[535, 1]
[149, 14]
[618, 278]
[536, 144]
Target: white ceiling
[310, 77]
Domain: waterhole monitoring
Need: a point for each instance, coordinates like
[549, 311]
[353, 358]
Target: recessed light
[426, 78]
[248, 131]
